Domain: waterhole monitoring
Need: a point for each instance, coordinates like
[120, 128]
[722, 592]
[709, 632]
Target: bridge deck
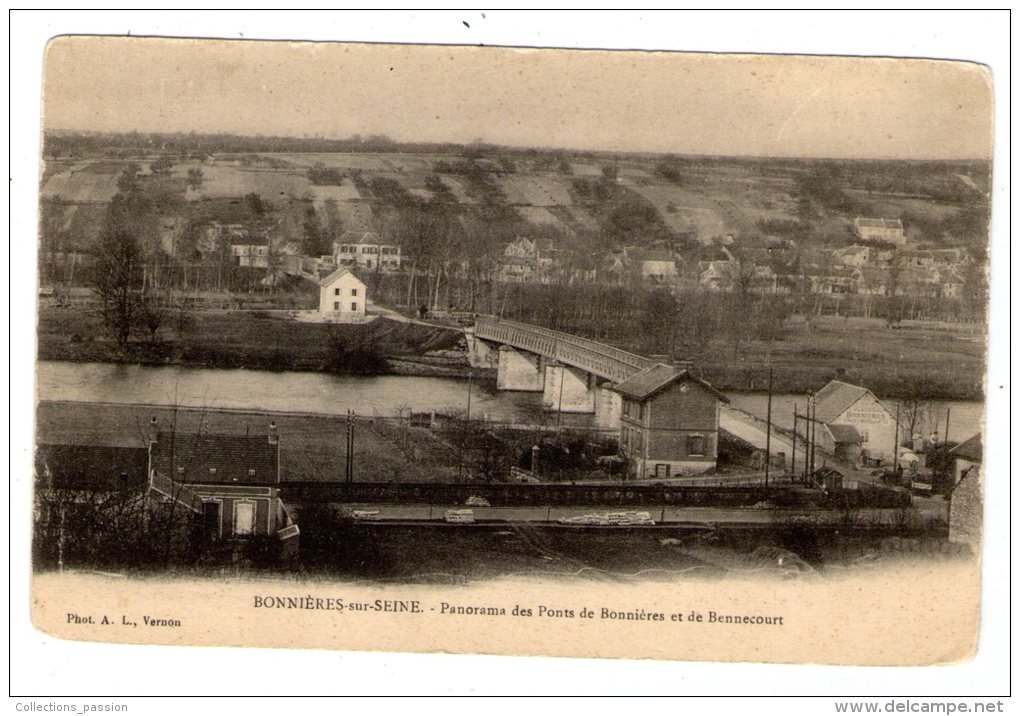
[596, 358]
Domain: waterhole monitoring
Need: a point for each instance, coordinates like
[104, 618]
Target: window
[244, 518]
[354, 292]
[336, 305]
[354, 306]
[695, 445]
[336, 291]
[662, 470]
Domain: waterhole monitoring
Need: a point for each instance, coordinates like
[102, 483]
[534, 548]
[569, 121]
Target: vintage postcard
[534, 352]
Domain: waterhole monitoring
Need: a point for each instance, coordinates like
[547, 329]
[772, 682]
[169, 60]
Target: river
[326, 394]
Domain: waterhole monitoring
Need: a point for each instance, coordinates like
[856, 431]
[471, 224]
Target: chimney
[274, 438]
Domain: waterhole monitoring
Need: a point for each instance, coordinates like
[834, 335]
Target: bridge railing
[598, 358]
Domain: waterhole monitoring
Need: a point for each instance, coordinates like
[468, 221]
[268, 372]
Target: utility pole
[814, 427]
[768, 432]
[896, 443]
[350, 445]
[793, 455]
[807, 439]
[945, 435]
[559, 405]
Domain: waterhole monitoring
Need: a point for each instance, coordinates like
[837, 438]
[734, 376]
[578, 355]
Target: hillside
[589, 201]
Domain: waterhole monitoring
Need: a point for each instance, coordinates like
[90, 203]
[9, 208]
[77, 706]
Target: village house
[855, 256]
[718, 275]
[889, 231]
[612, 270]
[839, 407]
[951, 282]
[232, 482]
[650, 265]
[342, 297]
[838, 280]
[366, 250]
[918, 281]
[915, 257]
[527, 260]
[250, 255]
[669, 423]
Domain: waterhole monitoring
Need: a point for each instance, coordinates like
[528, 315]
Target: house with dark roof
[850, 420]
[669, 422]
[231, 481]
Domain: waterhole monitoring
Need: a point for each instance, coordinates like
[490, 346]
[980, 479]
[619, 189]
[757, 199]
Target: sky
[763, 105]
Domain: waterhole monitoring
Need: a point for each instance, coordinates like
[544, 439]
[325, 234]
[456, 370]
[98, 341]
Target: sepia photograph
[493, 350]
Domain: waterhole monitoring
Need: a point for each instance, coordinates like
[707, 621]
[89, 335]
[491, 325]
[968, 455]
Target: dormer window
[251, 472]
[180, 471]
[212, 470]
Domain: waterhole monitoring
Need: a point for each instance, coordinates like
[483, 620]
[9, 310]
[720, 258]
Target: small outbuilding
[232, 482]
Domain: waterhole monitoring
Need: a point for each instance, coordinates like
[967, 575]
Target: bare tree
[118, 282]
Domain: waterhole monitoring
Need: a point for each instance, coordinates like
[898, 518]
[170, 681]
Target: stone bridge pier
[608, 407]
[568, 389]
[481, 353]
[520, 370]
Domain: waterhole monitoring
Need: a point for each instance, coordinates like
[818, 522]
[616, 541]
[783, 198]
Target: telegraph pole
[814, 427]
[793, 455]
[896, 444]
[350, 445]
[768, 432]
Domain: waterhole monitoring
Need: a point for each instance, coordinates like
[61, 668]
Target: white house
[840, 405]
[365, 249]
[342, 297]
[887, 230]
[651, 264]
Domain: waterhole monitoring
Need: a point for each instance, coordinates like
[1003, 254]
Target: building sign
[864, 416]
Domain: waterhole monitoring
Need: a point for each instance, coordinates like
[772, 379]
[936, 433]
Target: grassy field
[893, 363]
[231, 339]
[311, 447]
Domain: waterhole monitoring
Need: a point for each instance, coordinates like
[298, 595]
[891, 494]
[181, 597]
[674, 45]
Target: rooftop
[90, 467]
[653, 379]
[330, 278]
[878, 223]
[970, 449]
[832, 400]
[845, 434]
[216, 459]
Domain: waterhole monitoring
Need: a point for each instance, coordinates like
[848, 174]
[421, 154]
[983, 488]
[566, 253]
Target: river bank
[895, 365]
